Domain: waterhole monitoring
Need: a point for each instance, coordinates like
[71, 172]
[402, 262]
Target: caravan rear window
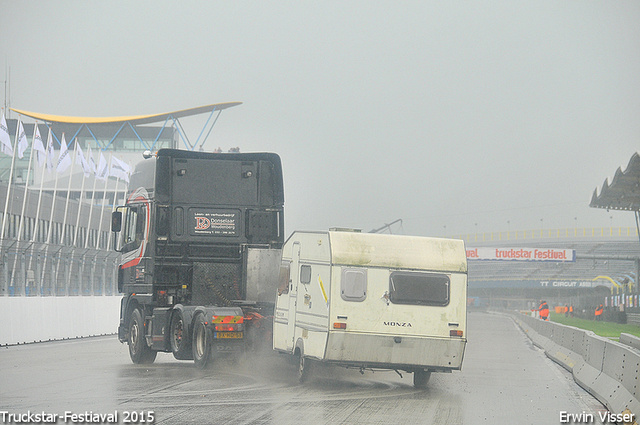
[419, 288]
[353, 284]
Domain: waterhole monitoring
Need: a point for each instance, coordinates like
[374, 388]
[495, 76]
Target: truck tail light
[456, 333]
[227, 323]
[339, 325]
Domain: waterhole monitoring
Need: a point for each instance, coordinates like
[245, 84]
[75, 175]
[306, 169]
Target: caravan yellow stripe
[324, 294]
[133, 119]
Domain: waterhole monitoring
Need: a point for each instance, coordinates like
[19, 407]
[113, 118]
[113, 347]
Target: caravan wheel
[420, 378]
[305, 367]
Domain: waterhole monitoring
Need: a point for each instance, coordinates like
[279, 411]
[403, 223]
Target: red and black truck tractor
[201, 237]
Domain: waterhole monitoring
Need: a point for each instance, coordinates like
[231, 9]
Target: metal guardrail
[38, 269]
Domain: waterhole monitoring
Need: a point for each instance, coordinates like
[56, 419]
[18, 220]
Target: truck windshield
[419, 288]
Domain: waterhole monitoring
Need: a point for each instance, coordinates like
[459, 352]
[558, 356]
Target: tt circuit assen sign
[522, 254]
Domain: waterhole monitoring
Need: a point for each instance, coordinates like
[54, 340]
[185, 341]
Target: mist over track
[505, 379]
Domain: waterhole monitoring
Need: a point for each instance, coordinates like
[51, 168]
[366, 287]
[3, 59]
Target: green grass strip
[606, 329]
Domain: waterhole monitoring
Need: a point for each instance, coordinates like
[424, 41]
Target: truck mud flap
[225, 347]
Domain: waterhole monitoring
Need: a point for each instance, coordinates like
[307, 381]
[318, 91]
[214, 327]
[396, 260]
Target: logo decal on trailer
[211, 222]
[202, 223]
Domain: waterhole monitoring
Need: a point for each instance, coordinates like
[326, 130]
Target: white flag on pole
[64, 160]
[50, 154]
[119, 169]
[38, 146]
[92, 162]
[5, 139]
[103, 168]
[80, 159]
[23, 143]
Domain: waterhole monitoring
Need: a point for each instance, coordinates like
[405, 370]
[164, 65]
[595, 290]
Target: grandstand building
[55, 237]
[592, 266]
[602, 267]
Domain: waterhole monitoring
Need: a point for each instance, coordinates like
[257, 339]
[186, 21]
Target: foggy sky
[455, 117]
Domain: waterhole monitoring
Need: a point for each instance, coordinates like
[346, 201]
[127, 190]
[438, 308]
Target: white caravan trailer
[372, 301]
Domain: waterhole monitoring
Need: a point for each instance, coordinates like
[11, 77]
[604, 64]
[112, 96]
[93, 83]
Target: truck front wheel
[201, 343]
[139, 351]
[179, 337]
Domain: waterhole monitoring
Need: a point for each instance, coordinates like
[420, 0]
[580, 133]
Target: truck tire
[179, 337]
[305, 366]
[420, 378]
[201, 343]
[139, 351]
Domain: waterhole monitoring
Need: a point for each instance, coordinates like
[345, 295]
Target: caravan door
[293, 294]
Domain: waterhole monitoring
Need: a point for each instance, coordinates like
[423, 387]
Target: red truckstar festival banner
[522, 254]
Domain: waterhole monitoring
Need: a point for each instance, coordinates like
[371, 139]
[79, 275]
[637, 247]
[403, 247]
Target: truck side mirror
[116, 221]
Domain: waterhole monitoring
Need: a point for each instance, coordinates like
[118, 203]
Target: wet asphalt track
[505, 380]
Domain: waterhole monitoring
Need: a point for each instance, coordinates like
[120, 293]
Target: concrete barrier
[609, 370]
[35, 319]
[630, 340]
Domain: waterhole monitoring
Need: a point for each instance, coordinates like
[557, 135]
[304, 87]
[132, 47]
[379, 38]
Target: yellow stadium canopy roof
[133, 120]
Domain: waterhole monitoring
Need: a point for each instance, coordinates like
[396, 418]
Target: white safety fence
[40, 269]
[36, 319]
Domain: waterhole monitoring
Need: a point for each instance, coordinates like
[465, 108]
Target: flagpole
[48, 240]
[93, 195]
[6, 207]
[75, 236]
[35, 233]
[104, 200]
[49, 140]
[66, 205]
[26, 187]
[6, 203]
[24, 204]
[19, 133]
[115, 199]
[53, 201]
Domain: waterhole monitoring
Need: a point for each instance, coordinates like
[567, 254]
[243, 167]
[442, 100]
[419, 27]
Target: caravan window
[305, 274]
[419, 288]
[353, 284]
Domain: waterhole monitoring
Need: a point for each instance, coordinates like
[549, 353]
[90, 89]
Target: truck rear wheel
[139, 351]
[179, 337]
[420, 378]
[201, 343]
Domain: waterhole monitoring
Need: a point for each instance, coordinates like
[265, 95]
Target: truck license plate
[228, 335]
